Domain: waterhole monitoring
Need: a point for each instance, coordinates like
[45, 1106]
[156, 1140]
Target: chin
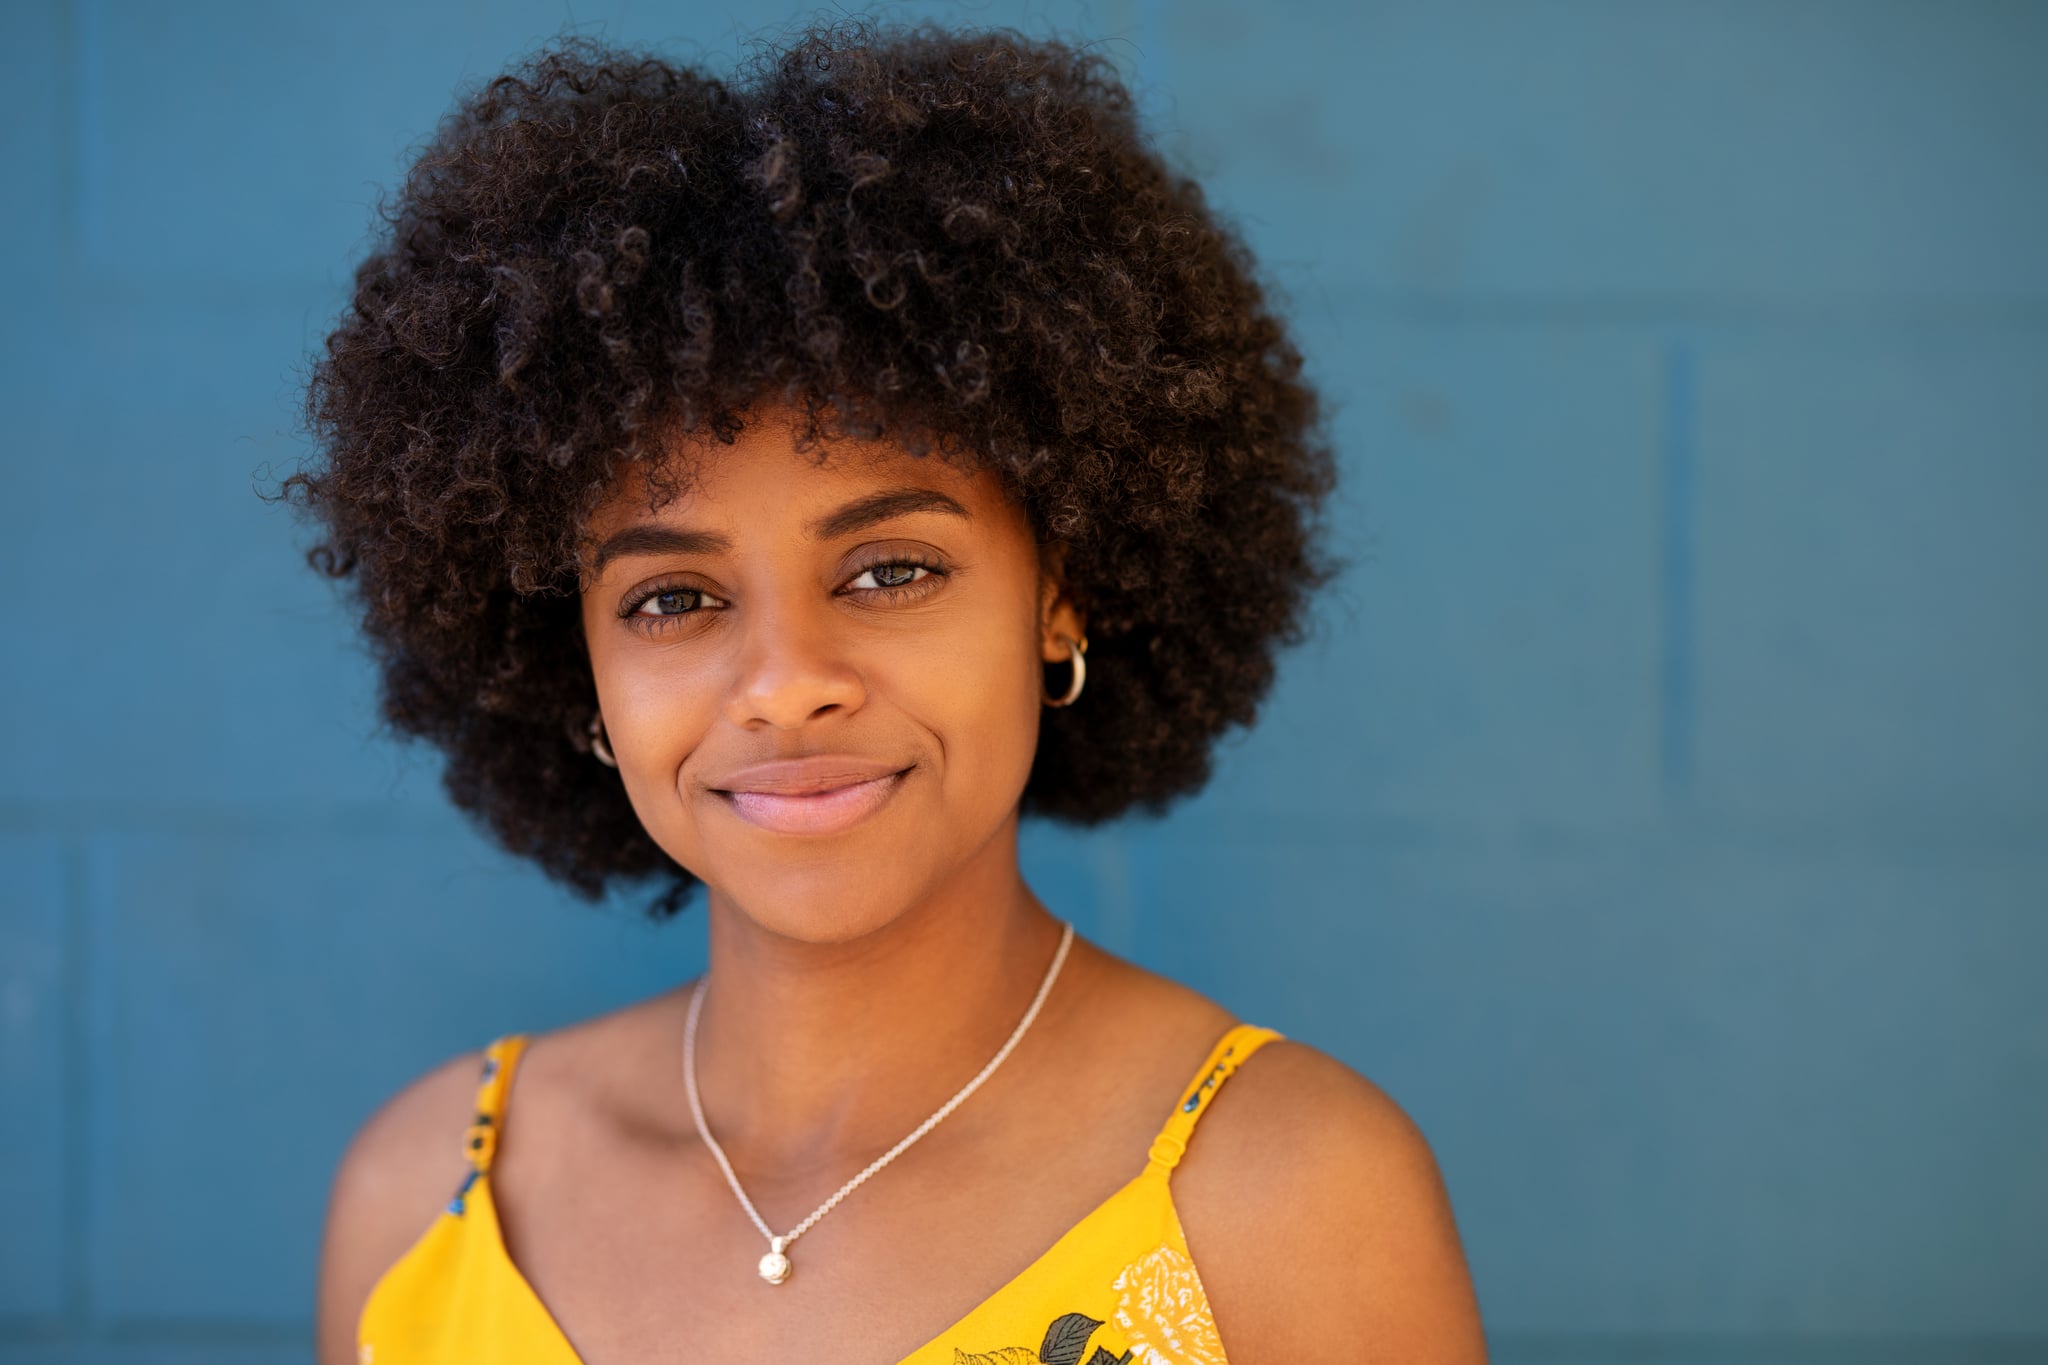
[820, 901]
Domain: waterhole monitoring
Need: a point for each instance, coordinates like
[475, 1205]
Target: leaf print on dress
[1066, 1337]
[1164, 1313]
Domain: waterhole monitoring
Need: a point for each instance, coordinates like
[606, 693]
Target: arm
[1320, 1223]
[394, 1177]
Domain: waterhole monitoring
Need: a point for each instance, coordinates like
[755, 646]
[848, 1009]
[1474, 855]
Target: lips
[820, 794]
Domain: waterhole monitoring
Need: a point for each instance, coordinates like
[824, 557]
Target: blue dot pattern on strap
[1209, 1083]
[458, 1204]
[455, 1205]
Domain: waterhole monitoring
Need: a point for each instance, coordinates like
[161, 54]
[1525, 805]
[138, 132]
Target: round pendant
[774, 1267]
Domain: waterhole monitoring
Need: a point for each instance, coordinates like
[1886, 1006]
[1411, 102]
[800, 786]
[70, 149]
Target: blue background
[1657, 814]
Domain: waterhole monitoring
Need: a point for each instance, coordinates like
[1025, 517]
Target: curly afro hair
[960, 239]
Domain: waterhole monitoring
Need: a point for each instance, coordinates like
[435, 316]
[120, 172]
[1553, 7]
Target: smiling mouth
[828, 810]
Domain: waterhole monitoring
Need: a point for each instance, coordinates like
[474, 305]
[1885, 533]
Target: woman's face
[822, 682]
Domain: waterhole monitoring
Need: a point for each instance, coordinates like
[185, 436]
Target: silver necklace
[774, 1266]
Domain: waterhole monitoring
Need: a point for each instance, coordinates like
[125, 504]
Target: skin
[858, 979]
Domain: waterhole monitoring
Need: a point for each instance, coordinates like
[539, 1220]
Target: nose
[793, 668]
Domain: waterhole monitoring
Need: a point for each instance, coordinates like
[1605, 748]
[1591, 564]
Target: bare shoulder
[1320, 1222]
[390, 1184]
[407, 1158]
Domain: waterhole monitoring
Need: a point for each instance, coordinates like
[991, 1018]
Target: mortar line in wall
[1764, 1347]
[1677, 673]
[1859, 314]
[77, 1172]
[84, 30]
[68, 111]
[1151, 43]
[162, 1331]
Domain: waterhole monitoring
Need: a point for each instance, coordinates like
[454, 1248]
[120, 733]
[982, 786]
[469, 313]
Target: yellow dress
[1118, 1288]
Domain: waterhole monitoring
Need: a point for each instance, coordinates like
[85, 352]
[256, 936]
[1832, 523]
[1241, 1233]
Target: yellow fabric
[1118, 1288]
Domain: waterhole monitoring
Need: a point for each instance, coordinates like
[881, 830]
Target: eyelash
[894, 593]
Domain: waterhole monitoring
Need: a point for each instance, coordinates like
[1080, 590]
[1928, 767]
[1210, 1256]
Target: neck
[813, 1056]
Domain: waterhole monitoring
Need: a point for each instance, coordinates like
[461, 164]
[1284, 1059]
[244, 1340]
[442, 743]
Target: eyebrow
[857, 515]
[862, 513]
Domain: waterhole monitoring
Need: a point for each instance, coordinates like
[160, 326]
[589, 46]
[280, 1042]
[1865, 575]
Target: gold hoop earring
[597, 744]
[1077, 651]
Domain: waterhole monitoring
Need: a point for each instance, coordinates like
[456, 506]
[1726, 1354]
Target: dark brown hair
[960, 239]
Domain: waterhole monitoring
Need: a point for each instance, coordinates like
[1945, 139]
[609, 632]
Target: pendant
[774, 1266]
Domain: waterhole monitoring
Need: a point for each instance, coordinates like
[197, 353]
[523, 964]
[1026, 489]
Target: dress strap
[480, 1140]
[501, 1058]
[1227, 1056]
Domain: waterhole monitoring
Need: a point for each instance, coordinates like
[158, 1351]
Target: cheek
[975, 690]
[658, 710]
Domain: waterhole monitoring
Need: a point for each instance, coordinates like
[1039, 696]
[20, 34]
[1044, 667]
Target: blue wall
[1658, 813]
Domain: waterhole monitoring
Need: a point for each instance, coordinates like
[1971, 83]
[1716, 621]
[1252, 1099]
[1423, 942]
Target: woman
[781, 489]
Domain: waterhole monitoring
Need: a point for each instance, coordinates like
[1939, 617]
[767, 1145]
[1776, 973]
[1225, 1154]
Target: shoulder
[392, 1180]
[1320, 1222]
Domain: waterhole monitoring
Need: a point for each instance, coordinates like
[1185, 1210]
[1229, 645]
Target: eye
[895, 573]
[670, 602]
[896, 579]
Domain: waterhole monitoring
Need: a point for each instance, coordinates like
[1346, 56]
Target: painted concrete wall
[1658, 813]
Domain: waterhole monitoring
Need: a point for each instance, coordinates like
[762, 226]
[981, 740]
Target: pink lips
[822, 794]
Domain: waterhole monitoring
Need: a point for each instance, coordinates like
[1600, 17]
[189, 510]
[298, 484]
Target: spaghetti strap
[1229, 1053]
[480, 1139]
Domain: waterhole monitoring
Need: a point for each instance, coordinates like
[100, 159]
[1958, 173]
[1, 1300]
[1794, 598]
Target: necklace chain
[775, 1265]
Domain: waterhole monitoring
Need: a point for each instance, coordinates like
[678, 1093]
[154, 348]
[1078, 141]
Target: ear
[1058, 613]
